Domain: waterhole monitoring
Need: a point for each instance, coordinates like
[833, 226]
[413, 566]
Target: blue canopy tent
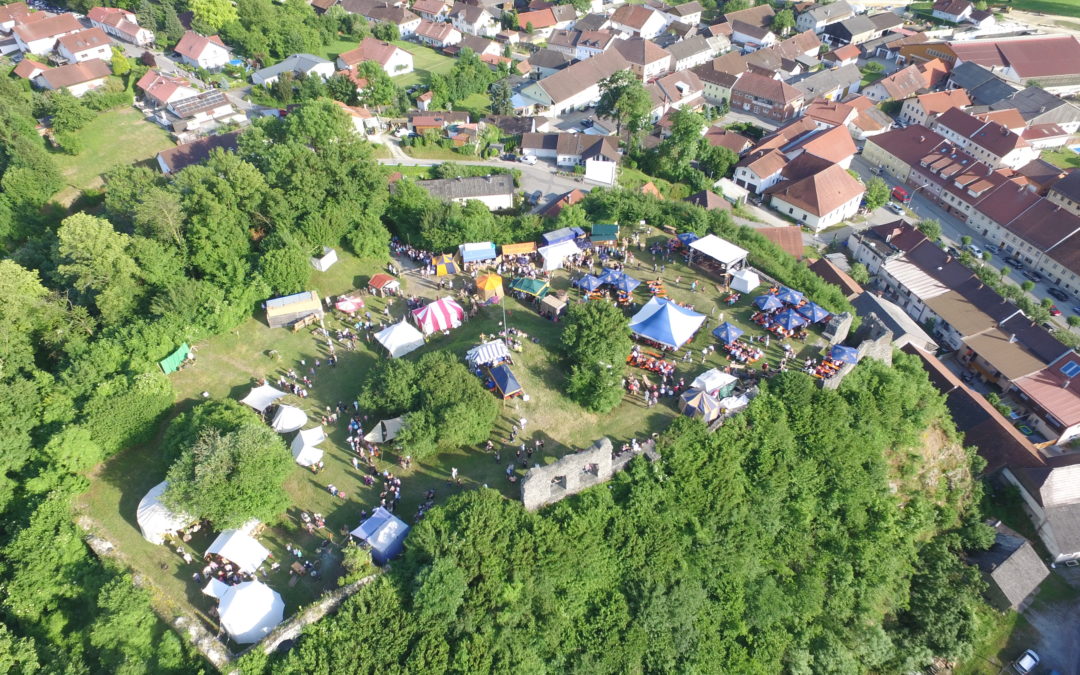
[477, 252]
[767, 303]
[627, 284]
[844, 354]
[385, 533]
[610, 276]
[588, 283]
[506, 383]
[579, 233]
[666, 323]
[789, 296]
[687, 238]
[789, 319]
[727, 332]
[555, 236]
[814, 312]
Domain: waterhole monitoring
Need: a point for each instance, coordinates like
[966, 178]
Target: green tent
[537, 288]
[171, 363]
[601, 232]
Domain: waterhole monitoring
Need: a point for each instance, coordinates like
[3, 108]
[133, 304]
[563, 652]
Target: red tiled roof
[47, 27]
[192, 45]
[788, 238]
[938, 102]
[76, 73]
[821, 193]
[369, 49]
[766, 88]
[28, 68]
[543, 18]
[159, 85]
[91, 38]
[13, 11]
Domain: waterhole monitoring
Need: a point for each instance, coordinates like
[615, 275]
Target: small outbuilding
[713, 252]
[384, 284]
[384, 533]
[552, 306]
[1013, 569]
[289, 309]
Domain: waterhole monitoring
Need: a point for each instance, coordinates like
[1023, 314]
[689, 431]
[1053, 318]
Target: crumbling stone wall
[543, 485]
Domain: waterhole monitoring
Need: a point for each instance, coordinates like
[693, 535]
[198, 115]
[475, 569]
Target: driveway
[1058, 625]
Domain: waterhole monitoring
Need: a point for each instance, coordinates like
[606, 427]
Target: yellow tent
[490, 286]
[444, 265]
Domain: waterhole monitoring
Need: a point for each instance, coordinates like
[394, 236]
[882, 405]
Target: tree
[877, 193]
[369, 239]
[213, 14]
[380, 90]
[931, 228]
[624, 99]
[285, 268]
[1073, 321]
[966, 240]
[173, 28]
[737, 5]
[341, 88]
[230, 478]
[1005, 271]
[500, 98]
[987, 256]
[121, 64]
[1028, 285]
[95, 261]
[160, 215]
[860, 274]
[595, 342]
[572, 216]
[783, 22]
[68, 113]
[386, 31]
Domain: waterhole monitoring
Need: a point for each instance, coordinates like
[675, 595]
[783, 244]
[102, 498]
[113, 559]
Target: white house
[437, 34]
[474, 20]
[202, 52]
[572, 88]
[40, 37]
[10, 14]
[819, 16]
[77, 78]
[760, 171]
[496, 191]
[647, 59]
[821, 200]
[161, 89]
[297, 64]
[691, 52]
[85, 45]
[989, 142]
[393, 59]
[952, 10]
[639, 20]
[121, 24]
[1051, 495]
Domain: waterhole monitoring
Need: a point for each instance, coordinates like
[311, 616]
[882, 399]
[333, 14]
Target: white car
[1026, 663]
[975, 250]
[528, 159]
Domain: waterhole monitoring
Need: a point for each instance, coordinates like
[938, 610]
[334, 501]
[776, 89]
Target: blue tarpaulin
[578, 233]
[688, 238]
[588, 283]
[505, 381]
[555, 236]
[477, 252]
[666, 323]
[767, 303]
[727, 332]
[385, 533]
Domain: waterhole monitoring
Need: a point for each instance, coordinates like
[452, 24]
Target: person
[522, 422]
[454, 476]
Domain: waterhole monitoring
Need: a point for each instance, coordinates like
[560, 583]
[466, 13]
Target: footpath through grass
[228, 365]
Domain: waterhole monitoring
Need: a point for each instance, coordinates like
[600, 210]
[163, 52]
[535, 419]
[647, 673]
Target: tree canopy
[595, 343]
[624, 99]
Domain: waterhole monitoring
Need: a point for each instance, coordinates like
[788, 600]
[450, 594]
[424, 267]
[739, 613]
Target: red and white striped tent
[443, 314]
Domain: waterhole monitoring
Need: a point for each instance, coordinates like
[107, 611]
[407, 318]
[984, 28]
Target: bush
[123, 411]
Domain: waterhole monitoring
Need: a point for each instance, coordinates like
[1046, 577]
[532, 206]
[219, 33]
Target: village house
[202, 52]
[647, 59]
[76, 78]
[431, 10]
[40, 36]
[473, 19]
[694, 51]
[987, 141]
[496, 192]
[11, 14]
[952, 10]
[196, 152]
[925, 109]
[437, 34]
[393, 59]
[764, 96]
[575, 87]
[818, 16]
[639, 21]
[121, 24]
[160, 89]
[85, 45]
[582, 45]
[307, 65]
[820, 200]
[675, 91]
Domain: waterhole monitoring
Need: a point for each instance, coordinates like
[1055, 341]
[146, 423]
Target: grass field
[436, 152]
[336, 48]
[229, 364]
[1062, 157]
[426, 61]
[1056, 7]
[113, 138]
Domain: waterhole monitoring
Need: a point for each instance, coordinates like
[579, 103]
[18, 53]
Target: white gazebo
[555, 254]
[714, 380]
[262, 397]
[722, 251]
[241, 549]
[304, 449]
[250, 610]
[156, 521]
[400, 339]
[745, 280]
[287, 419]
[386, 430]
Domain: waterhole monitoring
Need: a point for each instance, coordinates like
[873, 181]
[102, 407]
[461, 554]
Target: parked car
[975, 250]
[1014, 263]
[528, 159]
[1076, 310]
[1026, 663]
[996, 250]
[895, 208]
[1054, 311]
[1058, 294]
[1033, 275]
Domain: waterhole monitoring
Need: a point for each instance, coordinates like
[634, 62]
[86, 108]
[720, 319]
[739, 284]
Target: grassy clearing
[1006, 636]
[426, 61]
[113, 138]
[227, 365]
[1055, 7]
[336, 48]
[416, 172]
[1062, 157]
[436, 152]
[869, 77]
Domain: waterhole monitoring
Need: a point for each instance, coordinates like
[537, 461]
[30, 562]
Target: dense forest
[774, 545]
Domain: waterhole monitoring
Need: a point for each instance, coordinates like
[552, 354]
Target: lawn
[436, 152]
[1062, 157]
[115, 137]
[1056, 7]
[869, 76]
[336, 48]
[426, 61]
[229, 364]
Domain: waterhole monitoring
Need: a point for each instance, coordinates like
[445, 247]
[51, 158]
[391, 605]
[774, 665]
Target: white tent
[288, 418]
[329, 257]
[215, 589]
[733, 403]
[241, 549]
[713, 380]
[262, 397]
[489, 352]
[386, 430]
[400, 339]
[720, 250]
[303, 446]
[553, 255]
[155, 520]
[250, 610]
[745, 280]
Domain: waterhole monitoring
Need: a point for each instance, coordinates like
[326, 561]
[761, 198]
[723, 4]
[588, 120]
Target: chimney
[922, 139]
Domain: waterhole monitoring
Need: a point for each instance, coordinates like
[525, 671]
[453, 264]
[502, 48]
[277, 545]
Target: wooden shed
[289, 309]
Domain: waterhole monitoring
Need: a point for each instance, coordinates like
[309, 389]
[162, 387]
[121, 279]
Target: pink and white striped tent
[443, 314]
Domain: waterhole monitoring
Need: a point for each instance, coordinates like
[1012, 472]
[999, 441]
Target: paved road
[952, 231]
